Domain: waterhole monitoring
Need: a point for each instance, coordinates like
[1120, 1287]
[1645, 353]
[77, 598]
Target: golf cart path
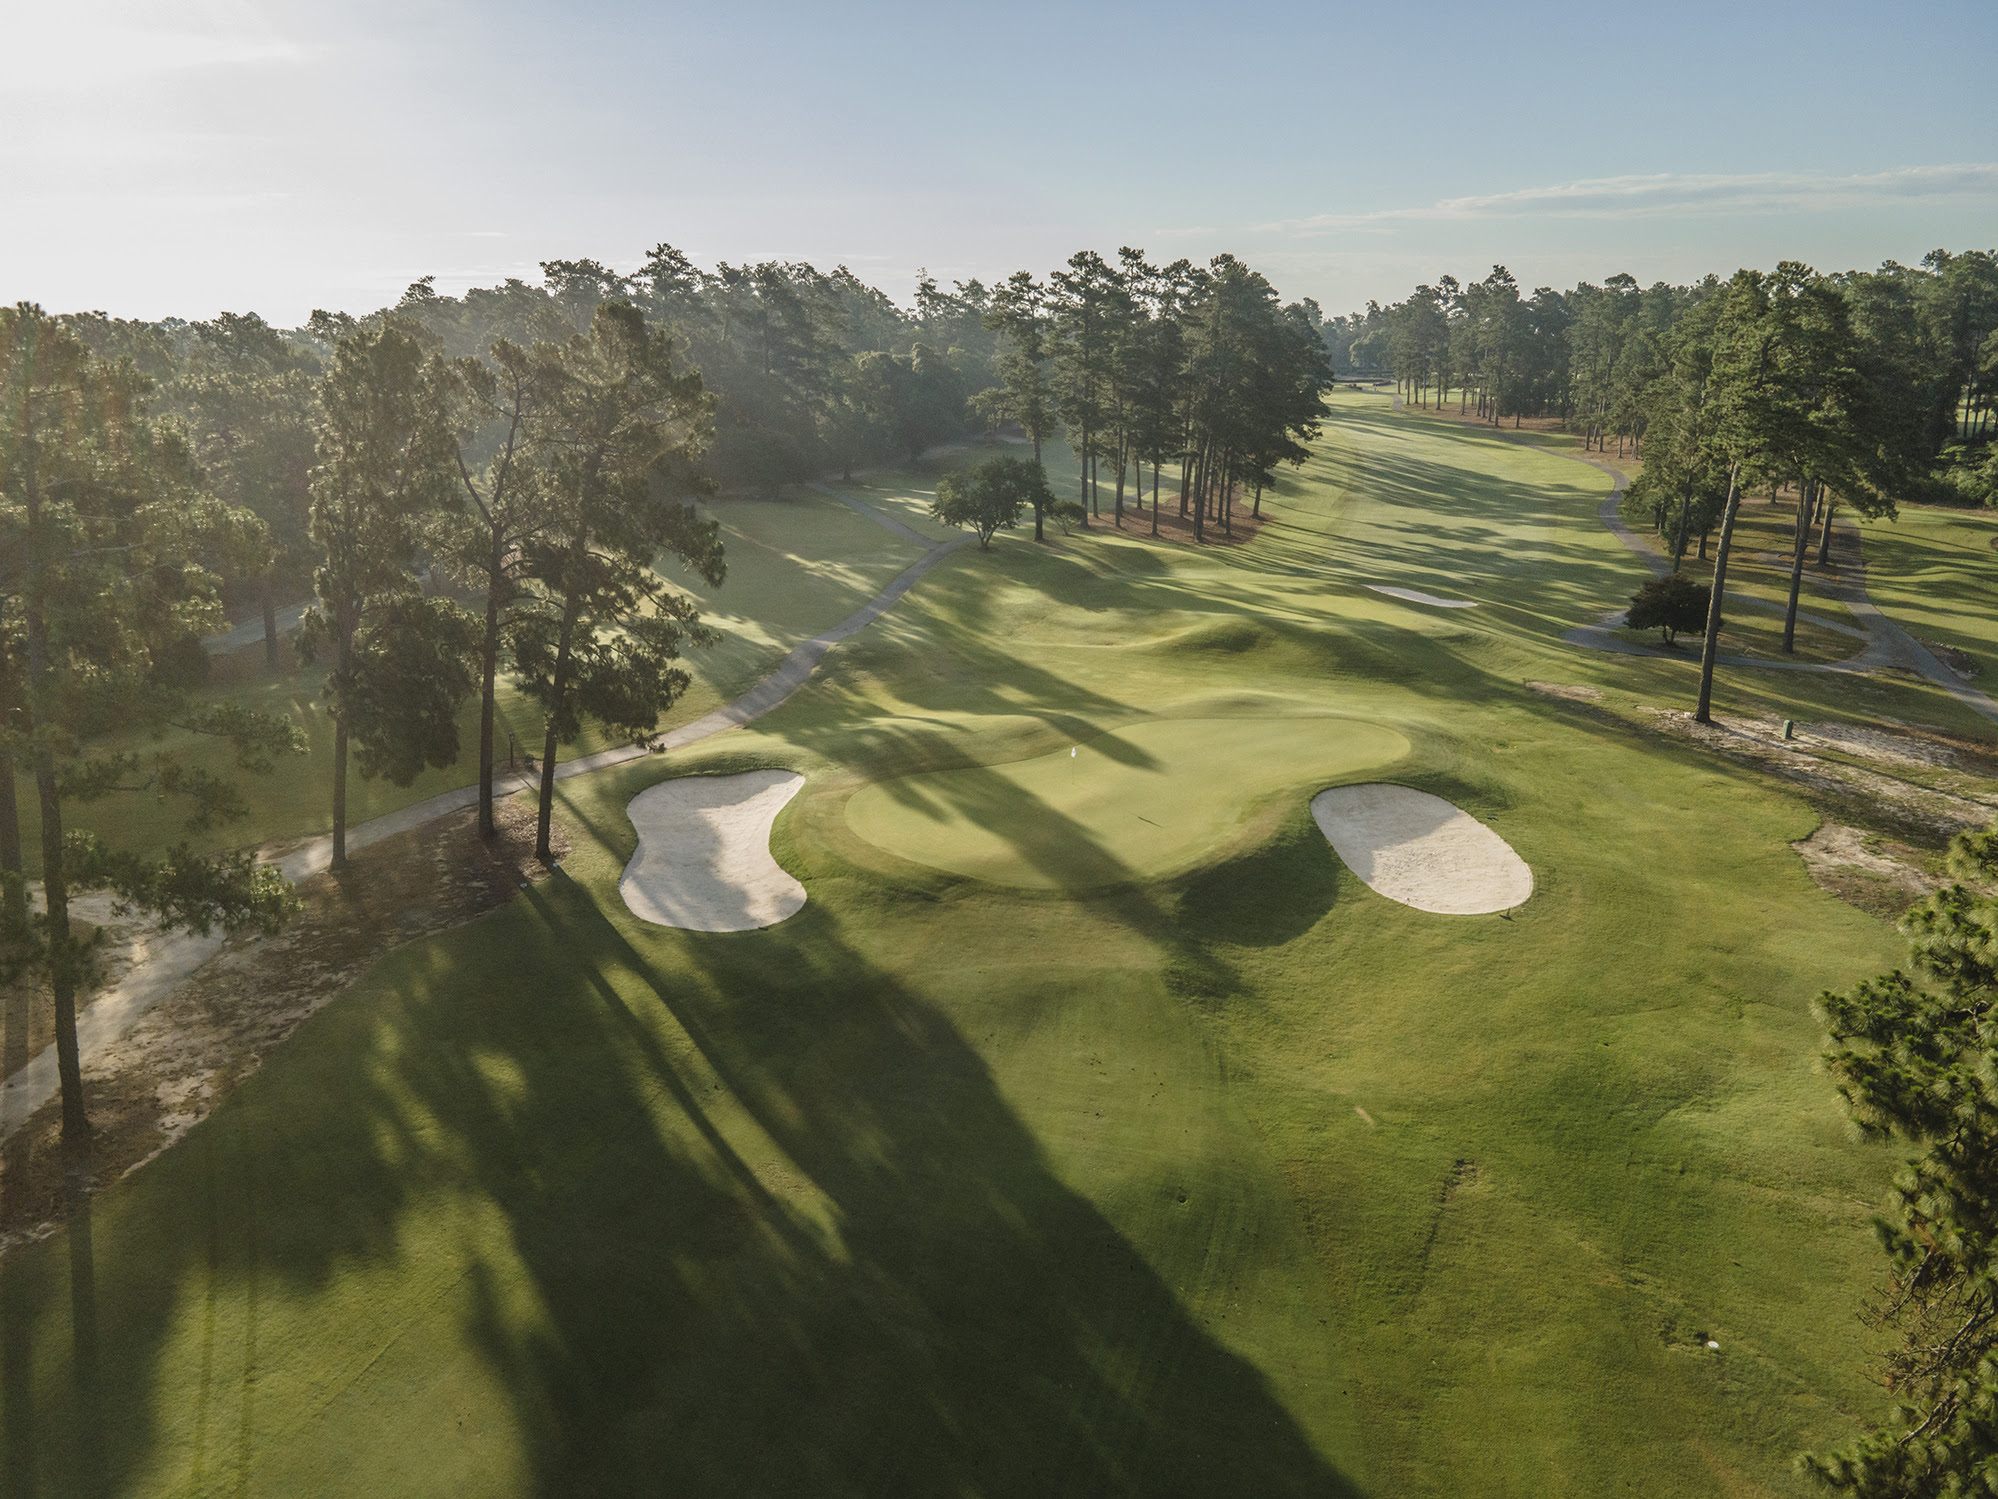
[162, 960]
[1887, 644]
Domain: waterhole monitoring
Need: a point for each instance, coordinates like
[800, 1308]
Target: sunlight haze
[182, 158]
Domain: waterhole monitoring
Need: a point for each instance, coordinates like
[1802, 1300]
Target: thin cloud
[1677, 195]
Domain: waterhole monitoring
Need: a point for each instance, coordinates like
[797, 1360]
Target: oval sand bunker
[1421, 850]
[703, 862]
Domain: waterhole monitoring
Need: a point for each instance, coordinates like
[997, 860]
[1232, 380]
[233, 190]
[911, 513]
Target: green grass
[1935, 573]
[1142, 800]
[1232, 1179]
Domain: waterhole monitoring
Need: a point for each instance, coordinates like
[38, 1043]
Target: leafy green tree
[1915, 1056]
[388, 465]
[103, 524]
[1088, 299]
[1781, 387]
[616, 433]
[990, 496]
[1668, 605]
[247, 395]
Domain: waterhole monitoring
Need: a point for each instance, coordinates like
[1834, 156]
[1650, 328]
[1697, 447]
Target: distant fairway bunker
[1137, 802]
[703, 861]
[1417, 596]
[1421, 850]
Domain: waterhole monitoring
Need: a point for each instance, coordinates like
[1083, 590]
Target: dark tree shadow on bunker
[966, 1324]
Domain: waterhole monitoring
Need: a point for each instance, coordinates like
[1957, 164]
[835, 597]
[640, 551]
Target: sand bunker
[1415, 596]
[703, 862]
[1422, 851]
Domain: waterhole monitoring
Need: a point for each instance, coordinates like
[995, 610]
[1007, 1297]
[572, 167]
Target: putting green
[1136, 801]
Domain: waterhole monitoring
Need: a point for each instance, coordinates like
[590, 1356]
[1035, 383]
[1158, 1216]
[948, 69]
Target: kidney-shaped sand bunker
[1421, 850]
[703, 862]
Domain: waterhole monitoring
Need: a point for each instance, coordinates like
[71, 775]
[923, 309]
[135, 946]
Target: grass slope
[1934, 571]
[1241, 1179]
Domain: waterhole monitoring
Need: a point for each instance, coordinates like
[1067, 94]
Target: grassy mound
[1139, 801]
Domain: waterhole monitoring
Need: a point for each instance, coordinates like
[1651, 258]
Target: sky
[186, 157]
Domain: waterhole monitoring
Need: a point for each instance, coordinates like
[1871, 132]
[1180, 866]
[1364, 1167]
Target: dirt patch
[189, 1052]
[1881, 876]
[1172, 528]
[1925, 815]
[1962, 664]
[1572, 692]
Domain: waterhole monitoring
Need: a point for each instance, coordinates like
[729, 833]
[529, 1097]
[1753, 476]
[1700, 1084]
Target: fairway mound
[1142, 800]
[1421, 850]
[1416, 596]
[703, 862]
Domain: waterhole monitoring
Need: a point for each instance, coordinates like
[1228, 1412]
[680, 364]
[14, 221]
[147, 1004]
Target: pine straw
[194, 1048]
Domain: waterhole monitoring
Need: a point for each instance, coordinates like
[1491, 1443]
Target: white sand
[1415, 596]
[703, 862]
[1422, 851]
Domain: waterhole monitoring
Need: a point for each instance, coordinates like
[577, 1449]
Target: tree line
[1924, 340]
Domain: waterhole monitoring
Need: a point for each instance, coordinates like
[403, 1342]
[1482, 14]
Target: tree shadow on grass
[601, 1173]
[1049, 1356]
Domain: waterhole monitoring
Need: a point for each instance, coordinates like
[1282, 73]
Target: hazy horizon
[193, 156]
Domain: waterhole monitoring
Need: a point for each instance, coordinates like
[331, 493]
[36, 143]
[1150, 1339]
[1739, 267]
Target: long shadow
[1054, 1359]
[640, 1277]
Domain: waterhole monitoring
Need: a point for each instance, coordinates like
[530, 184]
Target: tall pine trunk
[269, 592]
[1806, 493]
[572, 607]
[55, 887]
[1704, 713]
[488, 681]
[14, 898]
[1083, 454]
[1824, 535]
[1040, 521]
[1200, 497]
[348, 623]
[14, 901]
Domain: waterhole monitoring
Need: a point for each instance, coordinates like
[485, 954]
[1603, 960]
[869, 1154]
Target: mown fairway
[1235, 1179]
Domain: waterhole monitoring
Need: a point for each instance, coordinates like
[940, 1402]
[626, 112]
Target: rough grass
[1935, 571]
[1239, 1180]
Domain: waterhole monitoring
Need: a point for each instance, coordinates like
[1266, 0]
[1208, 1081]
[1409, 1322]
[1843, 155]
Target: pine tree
[104, 527]
[615, 435]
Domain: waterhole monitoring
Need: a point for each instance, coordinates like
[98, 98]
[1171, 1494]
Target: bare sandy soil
[146, 1089]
